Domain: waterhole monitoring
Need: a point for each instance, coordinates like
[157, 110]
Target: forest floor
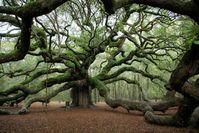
[99, 119]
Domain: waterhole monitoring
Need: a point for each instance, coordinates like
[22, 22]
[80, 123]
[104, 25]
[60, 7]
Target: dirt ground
[100, 119]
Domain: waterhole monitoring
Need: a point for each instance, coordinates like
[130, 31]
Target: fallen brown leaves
[100, 119]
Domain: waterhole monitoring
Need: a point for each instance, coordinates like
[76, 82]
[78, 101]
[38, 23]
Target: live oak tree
[71, 40]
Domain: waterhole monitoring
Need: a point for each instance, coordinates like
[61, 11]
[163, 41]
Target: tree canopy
[74, 44]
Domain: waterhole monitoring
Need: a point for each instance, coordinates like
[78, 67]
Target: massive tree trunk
[81, 97]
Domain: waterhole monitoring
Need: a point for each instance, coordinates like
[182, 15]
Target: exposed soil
[100, 119]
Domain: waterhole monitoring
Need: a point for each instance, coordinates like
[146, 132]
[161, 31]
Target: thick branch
[22, 46]
[33, 9]
[133, 105]
[180, 119]
[43, 84]
[184, 7]
[9, 19]
[37, 98]
[124, 69]
[188, 67]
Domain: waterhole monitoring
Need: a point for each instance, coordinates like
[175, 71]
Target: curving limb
[180, 119]
[143, 106]
[39, 98]
[188, 67]
[22, 47]
[185, 7]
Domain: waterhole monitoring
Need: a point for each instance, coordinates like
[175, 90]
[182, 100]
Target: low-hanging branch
[40, 98]
[180, 119]
[42, 85]
[11, 98]
[143, 106]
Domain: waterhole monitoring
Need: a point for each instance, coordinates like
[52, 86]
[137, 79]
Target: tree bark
[180, 119]
[143, 106]
[33, 9]
[184, 7]
[22, 46]
[188, 67]
[81, 97]
[194, 121]
[185, 111]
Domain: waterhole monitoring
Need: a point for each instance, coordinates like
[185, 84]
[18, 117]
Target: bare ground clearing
[100, 119]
